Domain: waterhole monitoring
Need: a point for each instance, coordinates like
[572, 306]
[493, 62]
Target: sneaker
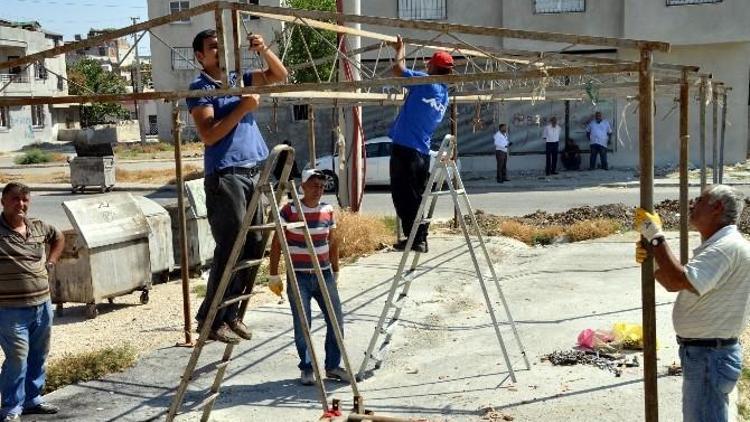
[338, 374]
[420, 247]
[10, 417]
[41, 409]
[307, 377]
[223, 334]
[400, 245]
[241, 329]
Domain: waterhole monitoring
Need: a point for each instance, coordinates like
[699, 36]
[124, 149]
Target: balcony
[22, 78]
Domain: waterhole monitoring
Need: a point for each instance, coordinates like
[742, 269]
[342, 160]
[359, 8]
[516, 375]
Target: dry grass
[592, 229]
[360, 235]
[88, 366]
[531, 235]
[160, 176]
[137, 151]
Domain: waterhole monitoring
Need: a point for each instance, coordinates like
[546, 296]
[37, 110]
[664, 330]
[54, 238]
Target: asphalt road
[47, 205]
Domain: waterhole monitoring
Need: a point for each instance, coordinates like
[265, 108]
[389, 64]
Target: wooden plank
[236, 44]
[455, 28]
[703, 99]
[222, 53]
[684, 160]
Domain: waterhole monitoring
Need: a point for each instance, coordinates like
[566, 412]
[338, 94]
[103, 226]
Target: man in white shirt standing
[599, 133]
[713, 303]
[501, 152]
[551, 136]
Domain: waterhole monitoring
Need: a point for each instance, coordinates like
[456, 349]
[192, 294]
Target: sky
[70, 17]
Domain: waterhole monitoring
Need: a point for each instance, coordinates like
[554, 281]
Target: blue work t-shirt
[422, 112]
[244, 144]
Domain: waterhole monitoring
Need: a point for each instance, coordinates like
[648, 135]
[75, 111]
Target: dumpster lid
[103, 149]
[196, 195]
[107, 219]
[149, 207]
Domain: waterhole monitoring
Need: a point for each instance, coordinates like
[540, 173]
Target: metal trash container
[105, 256]
[159, 238]
[94, 165]
[200, 240]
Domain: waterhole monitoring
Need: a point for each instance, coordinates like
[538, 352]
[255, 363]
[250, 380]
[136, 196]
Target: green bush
[88, 366]
[34, 156]
[199, 290]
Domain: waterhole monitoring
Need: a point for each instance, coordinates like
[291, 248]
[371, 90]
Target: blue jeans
[600, 150]
[708, 376]
[308, 286]
[24, 338]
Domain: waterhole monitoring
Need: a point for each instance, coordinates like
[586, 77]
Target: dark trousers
[410, 171]
[571, 160]
[227, 198]
[551, 157]
[501, 157]
[600, 150]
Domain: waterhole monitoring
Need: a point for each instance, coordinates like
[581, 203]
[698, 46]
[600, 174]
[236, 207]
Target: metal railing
[423, 9]
[14, 77]
[684, 2]
[559, 6]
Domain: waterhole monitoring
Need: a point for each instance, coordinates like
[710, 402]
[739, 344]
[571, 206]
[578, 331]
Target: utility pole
[137, 83]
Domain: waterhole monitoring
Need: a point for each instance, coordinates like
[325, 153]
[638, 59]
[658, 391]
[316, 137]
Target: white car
[377, 170]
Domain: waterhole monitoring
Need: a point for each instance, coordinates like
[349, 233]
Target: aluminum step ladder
[443, 170]
[264, 190]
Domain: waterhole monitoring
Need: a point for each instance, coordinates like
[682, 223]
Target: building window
[4, 118]
[249, 17]
[183, 58]
[179, 6]
[60, 83]
[684, 2]
[423, 9]
[299, 112]
[559, 6]
[40, 72]
[37, 116]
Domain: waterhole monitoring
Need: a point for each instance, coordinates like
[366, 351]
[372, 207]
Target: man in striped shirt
[322, 227]
[25, 309]
[713, 302]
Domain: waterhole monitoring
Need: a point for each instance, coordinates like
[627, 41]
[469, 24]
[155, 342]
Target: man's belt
[243, 171]
[706, 342]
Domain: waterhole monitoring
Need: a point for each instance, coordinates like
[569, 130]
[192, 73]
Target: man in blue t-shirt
[423, 110]
[234, 150]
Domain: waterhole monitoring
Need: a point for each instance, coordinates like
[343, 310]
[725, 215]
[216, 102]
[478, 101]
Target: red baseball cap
[442, 59]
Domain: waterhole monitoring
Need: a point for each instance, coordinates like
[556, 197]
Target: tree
[296, 53]
[88, 73]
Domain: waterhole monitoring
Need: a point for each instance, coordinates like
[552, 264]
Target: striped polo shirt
[23, 275]
[320, 221]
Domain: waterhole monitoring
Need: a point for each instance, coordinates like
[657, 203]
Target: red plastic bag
[592, 340]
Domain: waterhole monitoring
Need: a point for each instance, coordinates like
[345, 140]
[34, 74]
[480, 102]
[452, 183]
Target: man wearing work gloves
[713, 301]
[322, 226]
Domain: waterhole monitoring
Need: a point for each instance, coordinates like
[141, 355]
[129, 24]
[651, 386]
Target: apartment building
[113, 54]
[24, 125]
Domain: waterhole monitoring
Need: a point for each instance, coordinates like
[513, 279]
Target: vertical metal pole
[138, 85]
[646, 149]
[311, 134]
[703, 98]
[715, 135]
[182, 223]
[684, 159]
[236, 42]
[219, 19]
[454, 154]
[723, 132]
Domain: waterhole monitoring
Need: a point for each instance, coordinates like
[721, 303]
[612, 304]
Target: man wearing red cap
[423, 110]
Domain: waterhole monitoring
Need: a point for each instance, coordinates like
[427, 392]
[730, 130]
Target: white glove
[275, 284]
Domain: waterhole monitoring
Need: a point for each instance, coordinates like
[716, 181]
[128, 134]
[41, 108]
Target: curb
[59, 187]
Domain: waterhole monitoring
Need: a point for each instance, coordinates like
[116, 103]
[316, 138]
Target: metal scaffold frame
[483, 74]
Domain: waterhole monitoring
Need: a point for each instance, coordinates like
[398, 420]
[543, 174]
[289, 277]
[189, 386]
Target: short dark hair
[16, 187]
[501, 126]
[443, 70]
[200, 37]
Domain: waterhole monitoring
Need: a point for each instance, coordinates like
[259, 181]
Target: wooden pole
[723, 132]
[715, 135]
[454, 155]
[219, 19]
[311, 134]
[182, 224]
[703, 98]
[236, 43]
[646, 148]
[684, 159]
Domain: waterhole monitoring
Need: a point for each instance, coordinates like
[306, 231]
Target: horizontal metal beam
[333, 86]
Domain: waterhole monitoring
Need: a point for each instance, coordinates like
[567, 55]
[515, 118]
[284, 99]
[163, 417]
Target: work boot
[400, 245]
[307, 377]
[338, 374]
[41, 409]
[10, 417]
[223, 334]
[240, 329]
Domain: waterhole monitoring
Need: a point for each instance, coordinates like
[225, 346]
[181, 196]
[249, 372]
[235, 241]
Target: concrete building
[113, 55]
[25, 125]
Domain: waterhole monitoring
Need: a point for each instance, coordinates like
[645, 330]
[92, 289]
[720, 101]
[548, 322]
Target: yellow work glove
[275, 284]
[640, 253]
[647, 224]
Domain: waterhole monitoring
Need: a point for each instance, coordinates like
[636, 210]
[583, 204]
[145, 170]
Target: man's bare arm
[399, 65]
[273, 264]
[671, 273]
[333, 251]
[56, 247]
[275, 72]
[211, 130]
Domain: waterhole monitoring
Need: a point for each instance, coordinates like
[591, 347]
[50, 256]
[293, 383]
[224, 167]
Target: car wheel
[331, 182]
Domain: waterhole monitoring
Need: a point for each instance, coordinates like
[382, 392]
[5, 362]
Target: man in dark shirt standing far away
[423, 110]
[25, 308]
[234, 152]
